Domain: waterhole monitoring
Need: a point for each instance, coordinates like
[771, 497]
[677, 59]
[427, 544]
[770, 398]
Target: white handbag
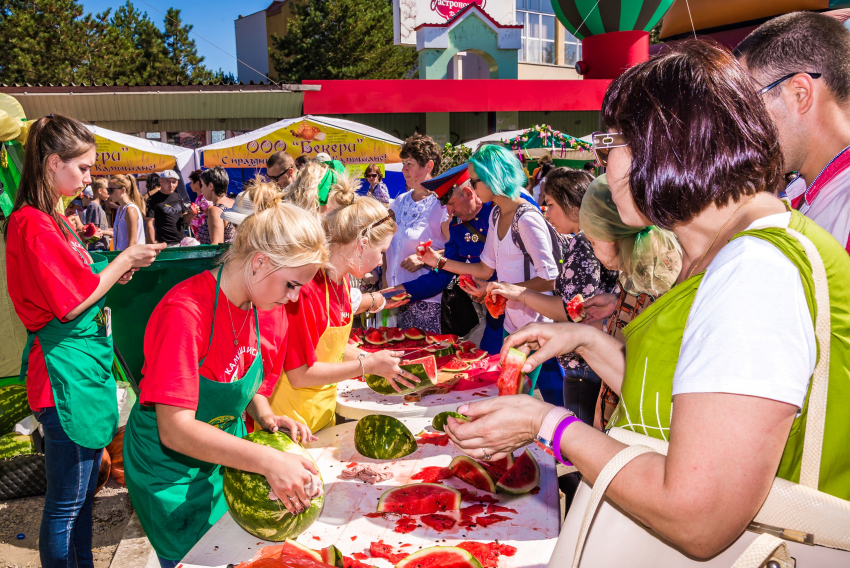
[796, 526]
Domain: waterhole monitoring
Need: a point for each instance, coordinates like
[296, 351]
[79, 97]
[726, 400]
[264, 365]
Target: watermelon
[448, 338]
[495, 304]
[375, 337]
[248, 496]
[395, 334]
[472, 356]
[13, 406]
[441, 350]
[468, 470]
[510, 379]
[467, 280]
[383, 438]
[413, 333]
[298, 550]
[467, 346]
[425, 368]
[575, 308]
[440, 420]
[496, 469]
[440, 557]
[358, 335]
[522, 477]
[332, 556]
[13, 444]
[454, 365]
[399, 297]
[419, 499]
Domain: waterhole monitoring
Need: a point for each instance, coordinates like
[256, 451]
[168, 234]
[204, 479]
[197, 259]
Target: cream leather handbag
[796, 526]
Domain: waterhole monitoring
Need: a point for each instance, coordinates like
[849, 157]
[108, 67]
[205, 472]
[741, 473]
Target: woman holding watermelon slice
[214, 347]
[359, 231]
[733, 345]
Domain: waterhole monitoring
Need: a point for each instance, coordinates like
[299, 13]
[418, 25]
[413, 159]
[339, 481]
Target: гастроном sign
[448, 8]
[408, 14]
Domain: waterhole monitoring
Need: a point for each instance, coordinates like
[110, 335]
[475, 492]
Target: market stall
[540, 140]
[355, 145]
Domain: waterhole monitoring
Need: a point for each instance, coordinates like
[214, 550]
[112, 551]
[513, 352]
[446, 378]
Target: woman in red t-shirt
[359, 232]
[214, 348]
[58, 290]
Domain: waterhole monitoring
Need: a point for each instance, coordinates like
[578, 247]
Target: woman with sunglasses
[732, 346]
[128, 228]
[377, 188]
[359, 231]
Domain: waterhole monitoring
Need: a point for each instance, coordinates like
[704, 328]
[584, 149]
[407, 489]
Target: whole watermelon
[13, 444]
[247, 496]
[13, 406]
[383, 437]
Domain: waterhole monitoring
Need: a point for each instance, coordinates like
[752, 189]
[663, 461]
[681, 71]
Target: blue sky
[213, 19]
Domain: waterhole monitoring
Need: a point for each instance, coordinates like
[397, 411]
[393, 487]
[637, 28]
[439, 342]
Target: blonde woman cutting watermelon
[732, 346]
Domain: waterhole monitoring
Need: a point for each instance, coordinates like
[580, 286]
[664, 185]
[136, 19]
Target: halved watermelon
[510, 379]
[413, 333]
[472, 355]
[522, 477]
[450, 338]
[495, 304]
[419, 499]
[376, 337]
[468, 470]
[467, 346]
[440, 557]
[425, 368]
[454, 365]
[575, 308]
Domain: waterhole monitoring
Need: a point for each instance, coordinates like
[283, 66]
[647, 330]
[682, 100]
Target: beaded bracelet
[556, 439]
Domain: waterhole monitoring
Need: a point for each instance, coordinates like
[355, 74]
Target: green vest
[654, 338]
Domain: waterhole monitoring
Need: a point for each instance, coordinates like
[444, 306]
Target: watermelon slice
[440, 557]
[495, 304]
[448, 338]
[293, 548]
[468, 470]
[575, 308]
[488, 553]
[467, 346]
[358, 335]
[510, 379]
[467, 280]
[413, 333]
[399, 297]
[332, 556]
[419, 499]
[394, 334]
[440, 420]
[472, 356]
[497, 469]
[454, 365]
[425, 368]
[522, 477]
[375, 337]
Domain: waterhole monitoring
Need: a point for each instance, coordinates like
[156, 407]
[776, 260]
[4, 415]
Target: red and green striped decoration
[609, 15]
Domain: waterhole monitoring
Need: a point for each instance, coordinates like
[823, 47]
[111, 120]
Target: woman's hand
[389, 303]
[140, 256]
[127, 276]
[386, 364]
[599, 307]
[548, 340]
[478, 292]
[299, 432]
[499, 425]
[288, 475]
[427, 255]
[509, 291]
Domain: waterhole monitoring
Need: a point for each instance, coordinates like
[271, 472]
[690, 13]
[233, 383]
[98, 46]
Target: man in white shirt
[800, 64]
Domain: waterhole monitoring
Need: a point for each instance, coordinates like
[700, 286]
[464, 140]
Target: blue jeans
[581, 391]
[166, 563]
[66, 522]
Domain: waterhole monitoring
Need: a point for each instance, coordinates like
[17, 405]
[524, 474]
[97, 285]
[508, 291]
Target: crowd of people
[693, 253]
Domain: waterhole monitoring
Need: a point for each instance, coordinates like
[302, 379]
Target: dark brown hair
[195, 176]
[49, 135]
[796, 43]
[566, 187]
[373, 169]
[422, 148]
[697, 131]
[280, 158]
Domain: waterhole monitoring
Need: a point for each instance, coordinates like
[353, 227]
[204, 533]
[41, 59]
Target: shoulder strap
[471, 228]
[215, 309]
[73, 232]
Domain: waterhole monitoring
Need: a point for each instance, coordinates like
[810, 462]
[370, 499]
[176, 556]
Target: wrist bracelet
[442, 262]
[372, 305]
[381, 307]
[559, 433]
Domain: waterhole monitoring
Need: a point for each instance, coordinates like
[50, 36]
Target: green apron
[78, 355]
[179, 498]
[654, 338]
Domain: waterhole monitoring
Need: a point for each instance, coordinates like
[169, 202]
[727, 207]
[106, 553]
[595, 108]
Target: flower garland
[454, 156]
[555, 139]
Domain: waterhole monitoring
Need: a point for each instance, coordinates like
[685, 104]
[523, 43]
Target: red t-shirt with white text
[178, 333]
[47, 275]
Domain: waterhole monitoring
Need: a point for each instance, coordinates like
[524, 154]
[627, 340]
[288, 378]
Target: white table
[533, 531]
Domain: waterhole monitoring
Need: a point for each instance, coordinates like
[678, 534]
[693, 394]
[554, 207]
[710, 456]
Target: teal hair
[499, 169]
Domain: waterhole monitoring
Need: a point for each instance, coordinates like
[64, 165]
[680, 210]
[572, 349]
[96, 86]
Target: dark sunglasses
[763, 90]
[379, 222]
[111, 189]
[280, 175]
[370, 176]
[603, 142]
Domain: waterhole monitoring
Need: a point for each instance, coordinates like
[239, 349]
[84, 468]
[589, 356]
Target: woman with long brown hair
[58, 290]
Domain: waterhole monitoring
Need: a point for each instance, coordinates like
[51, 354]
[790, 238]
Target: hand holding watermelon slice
[495, 304]
[575, 308]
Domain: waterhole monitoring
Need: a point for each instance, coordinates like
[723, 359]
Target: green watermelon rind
[247, 496]
[420, 559]
[14, 406]
[332, 556]
[520, 489]
[13, 445]
[442, 489]
[382, 386]
[382, 437]
[439, 422]
[491, 485]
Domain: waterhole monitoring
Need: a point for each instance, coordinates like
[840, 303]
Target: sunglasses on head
[603, 142]
[379, 222]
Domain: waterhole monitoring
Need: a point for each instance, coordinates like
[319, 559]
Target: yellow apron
[315, 406]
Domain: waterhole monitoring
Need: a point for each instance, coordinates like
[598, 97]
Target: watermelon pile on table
[410, 339]
[508, 475]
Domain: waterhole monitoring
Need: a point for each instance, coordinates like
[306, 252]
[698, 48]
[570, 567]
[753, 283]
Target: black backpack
[559, 241]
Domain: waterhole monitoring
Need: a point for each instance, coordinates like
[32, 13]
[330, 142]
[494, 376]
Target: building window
[538, 31]
[572, 49]
[217, 136]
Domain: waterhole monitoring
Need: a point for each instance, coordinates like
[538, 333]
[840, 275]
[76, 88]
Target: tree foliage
[54, 41]
[341, 39]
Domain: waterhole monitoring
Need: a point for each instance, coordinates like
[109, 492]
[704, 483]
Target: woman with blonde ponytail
[359, 230]
[214, 348]
[128, 228]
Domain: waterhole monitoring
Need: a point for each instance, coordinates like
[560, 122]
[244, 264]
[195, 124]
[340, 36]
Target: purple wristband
[556, 439]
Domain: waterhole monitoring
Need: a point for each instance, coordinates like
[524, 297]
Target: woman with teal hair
[496, 175]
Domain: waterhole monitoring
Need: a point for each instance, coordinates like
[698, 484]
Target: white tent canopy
[578, 155]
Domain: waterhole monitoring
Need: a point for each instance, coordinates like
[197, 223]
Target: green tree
[182, 52]
[341, 39]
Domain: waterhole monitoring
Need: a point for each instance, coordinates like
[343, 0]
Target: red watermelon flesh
[473, 355]
[495, 304]
[400, 296]
[487, 520]
[522, 477]
[438, 522]
[467, 280]
[381, 550]
[405, 525]
[454, 365]
[575, 308]
[498, 468]
[487, 553]
[419, 499]
[430, 364]
[450, 338]
[432, 474]
[413, 333]
[89, 231]
[510, 378]
[467, 346]
[395, 334]
[440, 557]
[349, 562]
[376, 338]
[473, 497]
[467, 470]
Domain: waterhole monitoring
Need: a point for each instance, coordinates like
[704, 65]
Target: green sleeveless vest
[654, 338]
